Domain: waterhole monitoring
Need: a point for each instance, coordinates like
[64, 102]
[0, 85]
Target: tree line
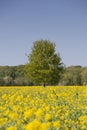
[15, 76]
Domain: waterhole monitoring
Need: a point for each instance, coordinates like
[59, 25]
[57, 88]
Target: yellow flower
[7, 112]
[83, 127]
[39, 113]
[27, 113]
[13, 116]
[2, 121]
[62, 117]
[44, 126]
[29, 126]
[34, 125]
[83, 119]
[4, 96]
[66, 121]
[47, 108]
[56, 124]
[47, 117]
[11, 128]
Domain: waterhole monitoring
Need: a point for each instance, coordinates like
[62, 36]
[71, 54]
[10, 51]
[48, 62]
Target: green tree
[72, 76]
[84, 76]
[2, 82]
[44, 65]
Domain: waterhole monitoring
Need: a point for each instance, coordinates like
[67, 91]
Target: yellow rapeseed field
[39, 108]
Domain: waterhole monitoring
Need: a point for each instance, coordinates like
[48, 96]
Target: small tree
[44, 66]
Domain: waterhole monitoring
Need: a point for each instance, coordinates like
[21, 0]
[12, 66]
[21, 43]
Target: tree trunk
[44, 85]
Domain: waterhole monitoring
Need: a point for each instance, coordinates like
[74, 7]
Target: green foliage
[44, 66]
[72, 76]
[84, 76]
[1, 82]
[13, 76]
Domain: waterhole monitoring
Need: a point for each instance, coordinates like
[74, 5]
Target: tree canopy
[44, 65]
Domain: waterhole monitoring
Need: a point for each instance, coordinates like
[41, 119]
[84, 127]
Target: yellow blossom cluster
[39, 108]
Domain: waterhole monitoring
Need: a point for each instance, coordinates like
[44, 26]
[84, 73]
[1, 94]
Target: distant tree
[22, 81]
[8, 81]
[84, 76]
[20, 71]
[13, 75]
[2, 82]
[44, 65]
[72, 76]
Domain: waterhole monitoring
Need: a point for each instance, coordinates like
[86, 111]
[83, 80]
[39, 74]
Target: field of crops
[39, 108]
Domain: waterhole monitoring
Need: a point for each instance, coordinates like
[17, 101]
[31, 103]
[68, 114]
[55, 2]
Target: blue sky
[63, 22]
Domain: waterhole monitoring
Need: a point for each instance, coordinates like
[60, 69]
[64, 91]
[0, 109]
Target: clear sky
[63, 22]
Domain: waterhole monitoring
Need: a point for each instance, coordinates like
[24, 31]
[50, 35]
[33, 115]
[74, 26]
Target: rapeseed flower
[56, 124]
[2, 121]
[11, 128]
[34, 125]
[27, 113]
[44, 126]
[30, 108]
[39, 113]
[47, 117]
